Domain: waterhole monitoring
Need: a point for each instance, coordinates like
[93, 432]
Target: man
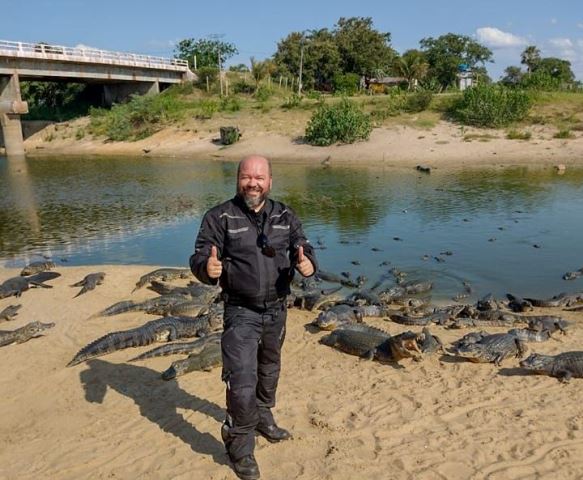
[251, 245]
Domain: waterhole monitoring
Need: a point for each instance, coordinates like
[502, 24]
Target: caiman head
[36, 328]
[537, 362]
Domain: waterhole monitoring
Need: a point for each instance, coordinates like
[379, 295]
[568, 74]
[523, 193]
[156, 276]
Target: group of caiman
[195, 310]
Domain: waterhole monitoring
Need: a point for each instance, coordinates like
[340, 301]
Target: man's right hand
[214, 267]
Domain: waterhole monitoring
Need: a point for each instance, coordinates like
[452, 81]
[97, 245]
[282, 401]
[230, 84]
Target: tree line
[353, 49]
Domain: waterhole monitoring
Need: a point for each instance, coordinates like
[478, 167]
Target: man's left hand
[304, 265]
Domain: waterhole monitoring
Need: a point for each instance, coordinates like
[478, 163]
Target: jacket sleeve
[298, 239]
[210, 233]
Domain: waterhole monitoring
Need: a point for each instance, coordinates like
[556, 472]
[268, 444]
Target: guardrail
[90, 55]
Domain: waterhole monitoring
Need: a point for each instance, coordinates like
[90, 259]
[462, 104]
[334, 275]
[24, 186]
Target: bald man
[251, 245]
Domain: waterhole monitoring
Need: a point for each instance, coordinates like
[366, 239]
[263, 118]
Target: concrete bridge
[121, 74]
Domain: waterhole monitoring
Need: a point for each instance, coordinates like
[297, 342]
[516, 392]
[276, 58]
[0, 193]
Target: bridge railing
[91, 55]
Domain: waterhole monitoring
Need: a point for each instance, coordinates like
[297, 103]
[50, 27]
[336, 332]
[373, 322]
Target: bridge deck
[58, 53]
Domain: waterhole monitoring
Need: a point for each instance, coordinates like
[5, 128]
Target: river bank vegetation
[339, 84]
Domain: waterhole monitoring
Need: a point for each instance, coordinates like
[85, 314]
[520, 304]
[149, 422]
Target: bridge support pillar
[11, 107]
[121, 92]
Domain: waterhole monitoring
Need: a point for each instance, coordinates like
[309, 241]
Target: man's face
[254, 182]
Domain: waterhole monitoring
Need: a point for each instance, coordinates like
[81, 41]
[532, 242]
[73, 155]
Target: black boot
[246, 468]
[272, 432]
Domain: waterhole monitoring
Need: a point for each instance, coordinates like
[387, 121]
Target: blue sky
[255, 27]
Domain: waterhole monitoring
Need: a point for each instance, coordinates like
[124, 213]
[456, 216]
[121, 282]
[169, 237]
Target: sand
[109, 418]
[444, 145]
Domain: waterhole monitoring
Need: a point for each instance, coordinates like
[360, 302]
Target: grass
[518, 135]
[564, 133]
[480, 137]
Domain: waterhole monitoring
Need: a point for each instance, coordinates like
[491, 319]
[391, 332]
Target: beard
[253, 201]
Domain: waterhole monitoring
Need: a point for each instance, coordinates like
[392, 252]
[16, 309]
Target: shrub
[80, 134]
[243, 87]
[564, 133]
[314, 95]
[207, 109]
[343, 122]
[230, 104]
[212, 73]
[491, 106]
[293, 101]
[418, 101]
[518, 135]
[263, 93]
[346, 84]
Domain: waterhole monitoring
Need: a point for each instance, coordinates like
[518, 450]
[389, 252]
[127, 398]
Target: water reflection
[147, 210]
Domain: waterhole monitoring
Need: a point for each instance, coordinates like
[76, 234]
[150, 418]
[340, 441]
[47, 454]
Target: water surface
[508, 229]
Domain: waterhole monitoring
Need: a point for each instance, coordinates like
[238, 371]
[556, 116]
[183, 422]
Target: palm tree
[413, 66]
[530, 57]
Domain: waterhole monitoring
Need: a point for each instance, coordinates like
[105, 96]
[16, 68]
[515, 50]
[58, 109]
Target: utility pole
[220, 72]
[301, 67]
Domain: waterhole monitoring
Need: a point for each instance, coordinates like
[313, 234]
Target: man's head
[254, 180]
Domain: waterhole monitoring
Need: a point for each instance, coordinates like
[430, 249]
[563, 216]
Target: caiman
[198, 291]
[180, 348]
[316, 299]
[440, 317]
[548, 323]
[518, 304]
[564, 366]
[332, 277]
[555, 301]
[491, 348]
[9, 312]
[573, 275]
[527, 335]
[23, 334]
[374, 344]
[342, 314]
[408, 288]
[36, 267]
[205, 360]
[429, 343]
[162, 274]
[89, 282]
[16, 285]
[152, 305]
[162, 330]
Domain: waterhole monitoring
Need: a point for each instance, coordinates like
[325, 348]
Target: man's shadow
[158, 402]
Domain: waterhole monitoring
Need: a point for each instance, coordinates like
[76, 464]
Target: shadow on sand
[158, 402]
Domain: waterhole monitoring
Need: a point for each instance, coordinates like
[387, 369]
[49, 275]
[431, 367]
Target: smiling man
[251, 245]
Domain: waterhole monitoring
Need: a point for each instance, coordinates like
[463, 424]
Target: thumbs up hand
[304, 265]
[214, 267]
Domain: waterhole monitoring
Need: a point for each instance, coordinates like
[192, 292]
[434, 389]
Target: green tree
[412, 65]
[512, 76]
[240, 67]
[206, 51]
[447, 52]
[557, 68]
[321, 59]
[259, 70]
[363, 49]
[530, 57]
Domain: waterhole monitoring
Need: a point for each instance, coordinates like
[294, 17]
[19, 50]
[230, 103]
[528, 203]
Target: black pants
[251, 347]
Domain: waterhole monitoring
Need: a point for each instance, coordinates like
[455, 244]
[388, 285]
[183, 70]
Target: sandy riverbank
[109, 418]
[445, 145]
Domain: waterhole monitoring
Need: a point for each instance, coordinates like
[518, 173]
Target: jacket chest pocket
[279, 236]
[237, 237]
